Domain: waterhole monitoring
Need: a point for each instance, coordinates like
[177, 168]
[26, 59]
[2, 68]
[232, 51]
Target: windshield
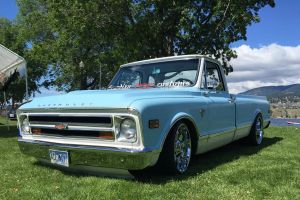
[181, 73]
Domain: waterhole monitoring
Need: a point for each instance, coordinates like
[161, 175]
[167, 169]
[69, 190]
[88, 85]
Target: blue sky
[8, 9]
[279, 25]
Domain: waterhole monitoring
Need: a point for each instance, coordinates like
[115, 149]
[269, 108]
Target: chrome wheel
[258, 131]
[182, 148]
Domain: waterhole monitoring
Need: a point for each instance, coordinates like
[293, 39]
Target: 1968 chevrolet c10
[154, 112]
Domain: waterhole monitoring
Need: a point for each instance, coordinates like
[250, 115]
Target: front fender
[176, 118]
[168, 111]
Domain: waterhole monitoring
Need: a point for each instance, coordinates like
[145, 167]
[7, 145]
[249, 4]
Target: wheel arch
[186, 118]
[252, 137]
[257, 112]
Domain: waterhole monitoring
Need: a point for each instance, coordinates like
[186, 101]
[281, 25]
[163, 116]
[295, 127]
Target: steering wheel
[184, 80]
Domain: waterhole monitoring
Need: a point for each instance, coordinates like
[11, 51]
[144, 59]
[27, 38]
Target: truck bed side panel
[247, 107]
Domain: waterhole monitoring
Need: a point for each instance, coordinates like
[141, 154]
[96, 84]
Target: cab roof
[170, 58]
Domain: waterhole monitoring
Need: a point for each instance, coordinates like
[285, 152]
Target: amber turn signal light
[154, 123]
[36, 131]
[106, 135]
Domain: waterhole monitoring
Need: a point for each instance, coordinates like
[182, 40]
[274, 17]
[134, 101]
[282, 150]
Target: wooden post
[7, 120]
[26, 83]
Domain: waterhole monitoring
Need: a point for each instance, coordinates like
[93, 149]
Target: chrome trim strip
[242, 131]
[220, 134]
[201, 67]
[213, 141]
[73, 128]
[219, 131]
[77, 110]
[72, 124]
[61, 114]
[244, 125]
[53, 136]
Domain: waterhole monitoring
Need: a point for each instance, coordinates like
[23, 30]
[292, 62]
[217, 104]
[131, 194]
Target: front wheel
[257, 133]
[176, 154]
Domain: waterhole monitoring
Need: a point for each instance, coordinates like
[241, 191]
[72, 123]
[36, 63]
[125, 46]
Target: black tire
[177, 150]
[257, 131]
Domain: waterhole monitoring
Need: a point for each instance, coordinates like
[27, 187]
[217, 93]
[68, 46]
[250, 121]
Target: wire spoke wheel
[258, 131]
[256, 134]
[182, 148]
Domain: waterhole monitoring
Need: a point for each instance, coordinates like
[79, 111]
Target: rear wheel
[257, 133]
[177, 151]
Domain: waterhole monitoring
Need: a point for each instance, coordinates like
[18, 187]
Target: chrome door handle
[230, 100]
[205, 93]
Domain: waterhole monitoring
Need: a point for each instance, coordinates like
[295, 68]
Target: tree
[67, 33]
[9, 36]
[1, 101]
[162, 28]
[107, 33]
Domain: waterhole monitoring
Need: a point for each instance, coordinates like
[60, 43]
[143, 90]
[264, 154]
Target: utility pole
[100, 76]
[26, 83]
[7, 120]
[81, 67]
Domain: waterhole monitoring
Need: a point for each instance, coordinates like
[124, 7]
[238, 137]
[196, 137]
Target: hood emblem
[61, 126]
[59, 106]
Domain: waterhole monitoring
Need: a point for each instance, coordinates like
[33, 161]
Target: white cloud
[265, 66]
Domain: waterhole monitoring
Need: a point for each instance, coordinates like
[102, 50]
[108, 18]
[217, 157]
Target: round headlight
[25, 126]
[127, 130]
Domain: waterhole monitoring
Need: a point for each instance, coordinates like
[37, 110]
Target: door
[221, 106]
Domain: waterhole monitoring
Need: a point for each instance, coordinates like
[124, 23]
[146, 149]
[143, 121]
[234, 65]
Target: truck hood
[105, 99]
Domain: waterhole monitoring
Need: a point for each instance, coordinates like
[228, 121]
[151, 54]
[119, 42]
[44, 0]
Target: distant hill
[276, 91]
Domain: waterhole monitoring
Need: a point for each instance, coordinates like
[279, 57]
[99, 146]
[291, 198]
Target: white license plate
[59, 157]
[11, 115]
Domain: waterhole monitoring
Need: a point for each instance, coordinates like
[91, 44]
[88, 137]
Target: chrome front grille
[75, 121]
[68, 125]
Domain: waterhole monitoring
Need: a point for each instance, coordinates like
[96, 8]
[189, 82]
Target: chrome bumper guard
[107, 157]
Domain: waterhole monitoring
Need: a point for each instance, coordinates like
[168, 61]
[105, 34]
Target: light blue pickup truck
[154, 112]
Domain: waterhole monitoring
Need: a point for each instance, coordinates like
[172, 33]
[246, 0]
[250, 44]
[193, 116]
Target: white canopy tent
[10, 63]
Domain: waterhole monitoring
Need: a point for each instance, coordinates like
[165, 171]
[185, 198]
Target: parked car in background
[12, 114]
[10, 111]
[155, 112]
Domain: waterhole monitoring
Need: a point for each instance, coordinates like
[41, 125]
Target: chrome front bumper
[93, 156]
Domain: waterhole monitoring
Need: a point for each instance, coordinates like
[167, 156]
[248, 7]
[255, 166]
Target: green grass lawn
[236, 171]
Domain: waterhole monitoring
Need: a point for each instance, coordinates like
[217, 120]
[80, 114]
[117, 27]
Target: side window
[130, 78]
[151, 80]
[213, 77]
